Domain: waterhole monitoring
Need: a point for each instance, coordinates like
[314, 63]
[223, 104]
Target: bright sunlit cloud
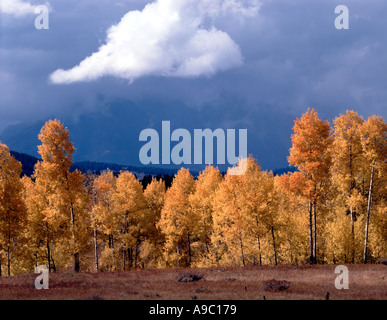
[17, 8]
[167, 38]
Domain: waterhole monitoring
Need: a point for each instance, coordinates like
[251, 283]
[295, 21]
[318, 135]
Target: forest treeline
[331, 210]
[28, 163]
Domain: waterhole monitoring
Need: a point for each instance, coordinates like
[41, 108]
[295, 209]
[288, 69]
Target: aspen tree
[65, 194]
[177, 221]
[347, 166]
[128, 215]
[40, 231]
[201, 202]
[242, 213]
[310, 154]
[374, 142]
[229, 230]
[103, 188]
[151, 248]
[293, 223]
[12, 207]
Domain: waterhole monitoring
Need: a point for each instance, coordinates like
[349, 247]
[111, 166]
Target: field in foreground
[306, 282]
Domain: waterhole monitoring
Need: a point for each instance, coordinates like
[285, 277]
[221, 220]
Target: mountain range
[28, 162]
[109, 133]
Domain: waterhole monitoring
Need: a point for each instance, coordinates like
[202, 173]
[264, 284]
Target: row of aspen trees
[331, 210]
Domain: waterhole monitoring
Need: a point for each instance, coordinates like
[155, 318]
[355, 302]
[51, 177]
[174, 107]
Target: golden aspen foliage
[201, 202]
[266, 214]
[228, 224]
[129, 210]
[151, 253]
[104, 187]
[256, 200]
[101, 218]
[154, 198]
[230, 228]
[347, 152]
[177, 222]
[374, 142]
[242, 218]
[348, 177]
[311, 143]
[12, 211]
[40, 233]
[67, 200]
[293, 223]
[245, 222]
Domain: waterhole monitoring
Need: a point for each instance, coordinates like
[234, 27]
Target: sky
[128, 65]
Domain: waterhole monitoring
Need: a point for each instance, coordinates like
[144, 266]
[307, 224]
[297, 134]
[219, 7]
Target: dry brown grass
[306, 282]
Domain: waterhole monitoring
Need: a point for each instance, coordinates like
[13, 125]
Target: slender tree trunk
[96, 250]
[130, 255]
[274, 249]
[259, 243]
[9, 260]
[259, 250]
[189, 249]
[48, 248]
[76, 253]
[243, 257]
[352, 235]
[315, 232]
[311, 258]
[123, 245]
[368, 214]
[111, 243]
[123, 258]
[178, 256]
[53, 264]
[351, 187]
[291, 252]
[137, 244]
[135, 257]
[9, 246]
[76, 262]
[48, 256]
[207, 247]
[72, 218]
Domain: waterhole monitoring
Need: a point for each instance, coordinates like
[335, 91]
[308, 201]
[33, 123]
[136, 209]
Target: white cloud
[167, 38]
[17, 8]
